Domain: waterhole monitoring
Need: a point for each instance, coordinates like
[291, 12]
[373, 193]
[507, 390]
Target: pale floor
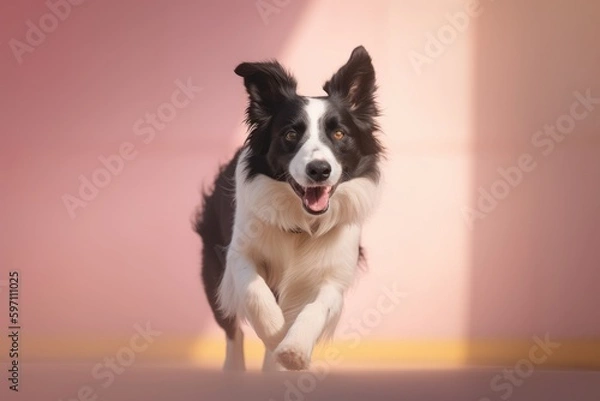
[67, 382]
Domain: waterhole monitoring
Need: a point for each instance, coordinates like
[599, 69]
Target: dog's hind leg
[212, 274]
[234, 357]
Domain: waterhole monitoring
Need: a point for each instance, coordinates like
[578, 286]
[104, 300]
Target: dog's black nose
[318, 170]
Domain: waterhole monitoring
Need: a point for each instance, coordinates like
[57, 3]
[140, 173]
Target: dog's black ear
[354, 82]
[268, 85]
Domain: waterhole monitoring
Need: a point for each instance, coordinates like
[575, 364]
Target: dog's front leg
[295, 350]
[256, 301]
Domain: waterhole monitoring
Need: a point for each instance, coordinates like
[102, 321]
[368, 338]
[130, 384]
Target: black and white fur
[281, 229]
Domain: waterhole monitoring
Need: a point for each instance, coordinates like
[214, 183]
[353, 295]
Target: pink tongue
[317, 198]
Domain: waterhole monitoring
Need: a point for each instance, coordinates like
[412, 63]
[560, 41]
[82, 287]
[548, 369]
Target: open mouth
[315, 199]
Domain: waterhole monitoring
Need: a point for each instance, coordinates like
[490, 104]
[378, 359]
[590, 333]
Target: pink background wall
[530, 267]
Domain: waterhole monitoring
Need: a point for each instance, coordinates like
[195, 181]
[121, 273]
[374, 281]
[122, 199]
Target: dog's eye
[291, 136]
[337, 135]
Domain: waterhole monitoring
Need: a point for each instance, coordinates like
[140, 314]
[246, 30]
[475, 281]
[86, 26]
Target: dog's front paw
[292, 357]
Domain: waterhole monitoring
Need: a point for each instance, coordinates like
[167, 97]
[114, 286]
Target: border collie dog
[281, 228]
